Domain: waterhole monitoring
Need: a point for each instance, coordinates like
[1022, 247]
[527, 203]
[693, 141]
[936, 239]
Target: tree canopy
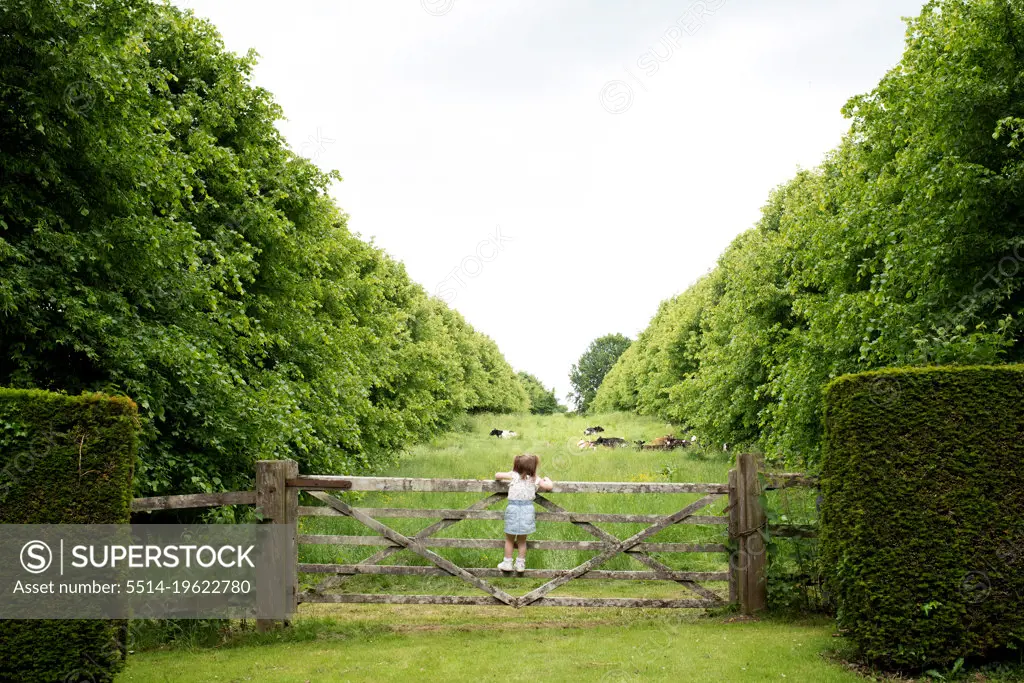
[542, 400]
[158, 238]
[905, 247]
[587, 373]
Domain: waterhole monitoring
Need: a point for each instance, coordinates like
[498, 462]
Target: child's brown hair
[525, 465]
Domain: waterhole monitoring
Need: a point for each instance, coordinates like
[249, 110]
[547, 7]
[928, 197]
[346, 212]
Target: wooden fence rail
[325, 511]
[409, 570]
[484, 543]
[278, 485]
[482, 600]
[194, 500]
[409, 485]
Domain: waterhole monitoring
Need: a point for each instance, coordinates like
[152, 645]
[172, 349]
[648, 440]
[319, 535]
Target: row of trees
[905, 247]
[159, 239]
[542, 400]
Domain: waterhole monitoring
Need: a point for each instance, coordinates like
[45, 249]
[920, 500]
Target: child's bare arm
[545, 484]
[503, 476]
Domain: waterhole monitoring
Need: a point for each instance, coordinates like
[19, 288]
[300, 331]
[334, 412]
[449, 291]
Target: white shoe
[506, 565]
[520, 565]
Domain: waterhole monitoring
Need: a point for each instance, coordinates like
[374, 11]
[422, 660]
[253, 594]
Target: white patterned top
[522, 488]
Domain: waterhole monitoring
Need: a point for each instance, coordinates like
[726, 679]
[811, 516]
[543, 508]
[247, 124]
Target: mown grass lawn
[483, 644]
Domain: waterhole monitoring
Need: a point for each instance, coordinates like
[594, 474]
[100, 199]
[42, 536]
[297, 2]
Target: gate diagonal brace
[413, 545]
[427, 532]
[638, 555]
[614, 549]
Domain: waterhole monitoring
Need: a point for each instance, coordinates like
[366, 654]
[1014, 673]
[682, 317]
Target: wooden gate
[278, 485]
[605, 547]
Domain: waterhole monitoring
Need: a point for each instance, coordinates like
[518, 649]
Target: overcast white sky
[617, 146]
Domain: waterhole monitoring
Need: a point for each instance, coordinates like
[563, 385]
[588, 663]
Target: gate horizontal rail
[324, 511]
[482, 600]
[397, 484]
[410, 570]
[484, 543]
[193, 500]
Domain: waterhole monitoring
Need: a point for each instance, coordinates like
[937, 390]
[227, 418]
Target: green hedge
[923, 514]
[64, 460]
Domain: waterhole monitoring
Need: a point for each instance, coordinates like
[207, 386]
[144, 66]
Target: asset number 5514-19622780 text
[210, 586]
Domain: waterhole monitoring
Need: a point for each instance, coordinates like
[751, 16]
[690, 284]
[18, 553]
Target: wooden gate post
[747, 519]
[279, 505]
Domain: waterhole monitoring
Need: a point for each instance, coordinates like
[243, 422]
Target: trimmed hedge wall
[64, 460]
[923, 516]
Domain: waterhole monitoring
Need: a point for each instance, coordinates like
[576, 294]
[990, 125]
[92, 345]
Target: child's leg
[509, 542]
[522, 546]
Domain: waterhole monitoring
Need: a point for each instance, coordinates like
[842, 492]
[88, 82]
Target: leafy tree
[542, 401]
[620, 386]
[905, 247]
[158, 238]
[664, 353]
[586, 374]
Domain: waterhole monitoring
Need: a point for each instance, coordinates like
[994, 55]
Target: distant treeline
[159, 239]
[905, 247]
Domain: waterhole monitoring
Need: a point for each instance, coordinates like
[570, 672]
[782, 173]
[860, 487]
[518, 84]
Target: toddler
[519, 515]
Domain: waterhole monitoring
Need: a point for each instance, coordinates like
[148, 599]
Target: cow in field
[592, 430]
[503, 434]
[665, 443]
[611, 442]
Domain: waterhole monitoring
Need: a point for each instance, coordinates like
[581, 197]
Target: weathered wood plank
[193, 500]
[613, 550]
[405, 570]
[292, 520]
[751, 519]
[657, 603]
[272, 505]
[314, 483]
[481, 543]
[364, 598]
[492, 486]
[734, 525]
[574, 517]
[414, 546]
[390, 599]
